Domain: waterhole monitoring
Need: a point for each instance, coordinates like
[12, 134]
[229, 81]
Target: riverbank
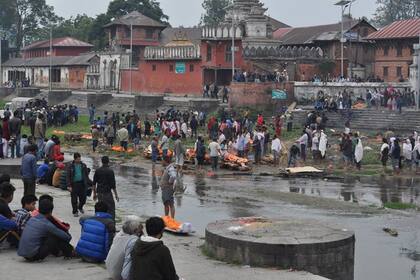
[186, 252]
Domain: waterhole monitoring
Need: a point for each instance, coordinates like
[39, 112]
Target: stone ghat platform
[368, 119]
[305, 245]
[11, 167]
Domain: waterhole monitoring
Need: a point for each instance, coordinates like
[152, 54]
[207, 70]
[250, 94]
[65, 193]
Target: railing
[172, 52]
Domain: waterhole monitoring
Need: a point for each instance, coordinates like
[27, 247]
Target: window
[228, 53]
[154, 67]
[386, 50]
[399, 72]
[171, 68]
[399, 51]
[191, 67]
[209, 52]
[385, 71]
[127, 32]
[149, 33]
[411, 51]
[41, 73]
[365, 31]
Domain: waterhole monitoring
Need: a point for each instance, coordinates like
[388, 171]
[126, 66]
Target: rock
[390, 231]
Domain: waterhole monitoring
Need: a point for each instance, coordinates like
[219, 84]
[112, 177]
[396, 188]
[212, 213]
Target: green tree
[97, 34]
[214, 11]
[150, 8]
[389, 11]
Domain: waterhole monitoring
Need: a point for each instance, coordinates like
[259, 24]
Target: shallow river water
[378, 256]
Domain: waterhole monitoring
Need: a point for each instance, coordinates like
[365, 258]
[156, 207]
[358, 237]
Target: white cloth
[120, 254]
[323, 141]
[276, 145]
[407, 152]
[358, 153]
[384, 146]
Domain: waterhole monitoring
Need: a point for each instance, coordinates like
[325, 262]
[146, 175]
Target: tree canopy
[214, 11]
[24, 18]
[150, 8]
[389, 11]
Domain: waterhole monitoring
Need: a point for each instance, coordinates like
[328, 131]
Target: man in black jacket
[104, 184]
[77, 183]
[151, 259]
[15, 125]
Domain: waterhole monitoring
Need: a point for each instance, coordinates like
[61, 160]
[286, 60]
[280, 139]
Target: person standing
[303, 142]
[276, 149]
[29, 171]
[155, 151]
[179, 151]
[92, 111]
[194, 126]
[215, 151]
[358, 152]
[39, 134]
[225, 94]
[123, 137]
[15, 125]
[96, 134]
[77, 182]
[167, 185]
[164, 145]
[384, 155]
[103, 186]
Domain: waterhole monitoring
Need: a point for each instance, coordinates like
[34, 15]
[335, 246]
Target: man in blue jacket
[29, 170]
[97, 235]
[41, 238]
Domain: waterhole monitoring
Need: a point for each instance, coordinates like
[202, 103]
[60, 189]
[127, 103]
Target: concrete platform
[11, 167]
[306, 245]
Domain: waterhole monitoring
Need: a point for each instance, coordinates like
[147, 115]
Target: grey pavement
[189, 261]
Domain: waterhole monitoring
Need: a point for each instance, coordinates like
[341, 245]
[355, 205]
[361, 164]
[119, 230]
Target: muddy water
[378, 255]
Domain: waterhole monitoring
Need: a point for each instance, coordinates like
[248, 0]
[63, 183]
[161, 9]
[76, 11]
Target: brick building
[358, 53]
[73, 72]
[394, 49]
[66, 46]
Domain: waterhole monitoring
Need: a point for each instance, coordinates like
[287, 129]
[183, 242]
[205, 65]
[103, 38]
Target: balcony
[172, 53]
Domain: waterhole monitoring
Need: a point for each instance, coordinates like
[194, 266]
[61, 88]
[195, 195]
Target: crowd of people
[36, 233]
[390, 98]
[261, 77]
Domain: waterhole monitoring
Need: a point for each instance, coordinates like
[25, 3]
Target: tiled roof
[58, 42]
[398, 30]
[80, 60]
[276, 24]
[170, 34]
[307, 35]
[136, 19]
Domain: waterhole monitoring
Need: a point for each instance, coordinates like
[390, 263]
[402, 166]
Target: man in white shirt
[214, 148]
[276, 149]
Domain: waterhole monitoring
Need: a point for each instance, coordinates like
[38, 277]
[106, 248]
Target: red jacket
[56, 153]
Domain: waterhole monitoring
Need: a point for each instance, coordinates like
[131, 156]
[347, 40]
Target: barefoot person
[167, 185]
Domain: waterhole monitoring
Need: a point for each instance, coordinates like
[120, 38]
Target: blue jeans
[15, 148]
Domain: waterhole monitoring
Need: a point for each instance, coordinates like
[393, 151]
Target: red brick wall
[162, 80]
[392, 61]
[218, 58]
[77, 77]
[257, 95]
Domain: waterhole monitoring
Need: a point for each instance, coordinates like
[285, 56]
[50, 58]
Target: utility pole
[50, 72]
[343, 4]
[418, 62]
[131, 57]
[233, 47]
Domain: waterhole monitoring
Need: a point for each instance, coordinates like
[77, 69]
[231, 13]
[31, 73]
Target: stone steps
[370, 120]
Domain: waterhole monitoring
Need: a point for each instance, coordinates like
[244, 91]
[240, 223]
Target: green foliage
[389, 11]
[25, 18]
[215, 11]
[150, 8]
[399, 205]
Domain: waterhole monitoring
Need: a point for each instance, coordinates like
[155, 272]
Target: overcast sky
[188, 12]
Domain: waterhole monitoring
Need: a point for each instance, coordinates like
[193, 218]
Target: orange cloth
[171, 223]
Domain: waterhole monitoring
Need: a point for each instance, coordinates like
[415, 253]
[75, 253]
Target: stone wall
[148, 102]
[28, 92]
[257, 95]
[307, 90]
[6, 91]
[206, 105]
[56, 97]
[97, 99]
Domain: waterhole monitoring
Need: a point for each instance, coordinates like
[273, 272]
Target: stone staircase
[119, 103]
[370, 120]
